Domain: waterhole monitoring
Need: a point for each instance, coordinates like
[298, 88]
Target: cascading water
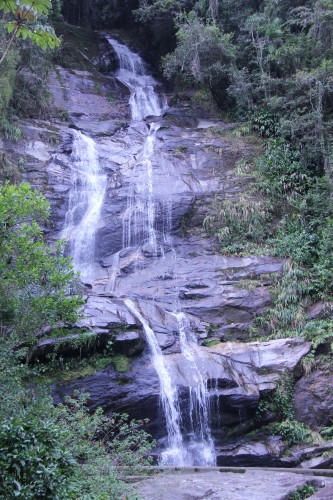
[139, 219]
[139, 229]
[176, 452]
[144, 101]
[85, 201]
[200, 444]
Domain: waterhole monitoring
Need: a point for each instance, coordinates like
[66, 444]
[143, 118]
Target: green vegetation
[65, 451]
[23, 19]
[280, 404]
[26, 42]
[38, 285]
[305, 491]
[46, 451]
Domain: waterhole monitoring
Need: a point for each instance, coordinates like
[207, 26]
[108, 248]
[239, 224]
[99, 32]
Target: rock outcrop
[192, 169]
[313, 398]
[235, 374]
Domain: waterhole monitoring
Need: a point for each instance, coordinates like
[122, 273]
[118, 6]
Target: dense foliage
[46, 451]
[37, 283]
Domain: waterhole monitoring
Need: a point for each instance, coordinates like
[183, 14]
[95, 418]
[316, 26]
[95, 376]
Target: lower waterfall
[200, 444]
[175, 452]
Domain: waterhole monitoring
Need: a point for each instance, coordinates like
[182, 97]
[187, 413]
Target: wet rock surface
[271, 451]
[236, 374]
[254, 485]
[191, 168]
[313, 398]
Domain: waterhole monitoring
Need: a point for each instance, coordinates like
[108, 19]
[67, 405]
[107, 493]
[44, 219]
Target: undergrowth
[286, 212]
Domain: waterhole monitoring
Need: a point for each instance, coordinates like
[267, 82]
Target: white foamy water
[85, 201]
[139, 219]
[144, 101]
[176, 453]
[200, 446]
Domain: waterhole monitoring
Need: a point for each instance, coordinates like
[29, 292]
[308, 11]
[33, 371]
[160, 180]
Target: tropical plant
[24, 19]
[38, 284]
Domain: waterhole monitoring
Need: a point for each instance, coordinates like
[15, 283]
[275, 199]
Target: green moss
[211, 343]
[121, 363]
[69, 369]
[78, 49]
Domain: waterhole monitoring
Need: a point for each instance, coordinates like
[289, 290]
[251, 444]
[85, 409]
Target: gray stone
[324, 494]
[251, 453]
[238, 485]
[236, 374]
[313, 398]
[128, 343]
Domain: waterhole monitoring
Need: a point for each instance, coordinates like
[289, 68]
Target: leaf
[10, 27]
[35, 7]
[8, 6]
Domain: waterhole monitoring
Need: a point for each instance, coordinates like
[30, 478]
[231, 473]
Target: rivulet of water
[199, 445]
[176, 452]
[85, 201]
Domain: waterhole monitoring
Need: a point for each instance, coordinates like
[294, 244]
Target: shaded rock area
[236, 374]
[245, 484]
[314, 398]
[129, 343]
[271, 451]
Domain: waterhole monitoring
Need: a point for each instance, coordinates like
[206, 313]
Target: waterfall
[144, 101]
[176, 452]
[200, 445]
[85, 201]
[194, 447]
[139, 218]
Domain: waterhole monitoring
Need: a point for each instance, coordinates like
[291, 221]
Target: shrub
[34, 462]
[291, 431]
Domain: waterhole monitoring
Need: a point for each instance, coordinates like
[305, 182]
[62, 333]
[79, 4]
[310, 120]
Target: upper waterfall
[144, 100]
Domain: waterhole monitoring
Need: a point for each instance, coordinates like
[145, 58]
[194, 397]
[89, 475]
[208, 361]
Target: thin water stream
[86, 195]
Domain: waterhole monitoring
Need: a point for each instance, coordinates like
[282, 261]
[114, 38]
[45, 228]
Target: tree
[203, 53]
[37, 283]
[25, 21]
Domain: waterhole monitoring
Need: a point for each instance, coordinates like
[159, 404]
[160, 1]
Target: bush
[34, 462]
[292, 432]
[281, 170]
[303, 492]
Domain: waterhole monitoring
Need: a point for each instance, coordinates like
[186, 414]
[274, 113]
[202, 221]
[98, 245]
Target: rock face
[235, 374]
[313, 398]
[236, 485]
[191, 169]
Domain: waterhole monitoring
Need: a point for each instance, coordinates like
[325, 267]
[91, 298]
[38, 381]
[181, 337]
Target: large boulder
[313, 398]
